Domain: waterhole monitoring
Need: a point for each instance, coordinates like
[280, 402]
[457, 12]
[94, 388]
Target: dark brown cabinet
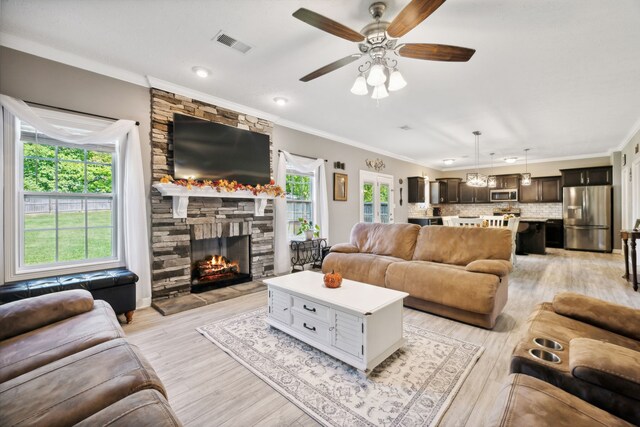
[542, 190]
[417, 186]
[469, 194]
[507, 181]
[602, 175]
[449, 189]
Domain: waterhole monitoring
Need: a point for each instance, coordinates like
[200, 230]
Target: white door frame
[377, 179]
[627, 199]
[635, 191]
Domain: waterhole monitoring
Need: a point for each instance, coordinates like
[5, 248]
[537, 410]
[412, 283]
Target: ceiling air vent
[231, 42]
[405, 127]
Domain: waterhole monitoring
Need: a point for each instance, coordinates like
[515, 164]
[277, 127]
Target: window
[66, 196]
[299, 200]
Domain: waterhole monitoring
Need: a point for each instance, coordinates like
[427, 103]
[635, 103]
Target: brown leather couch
[526, 401]
[456, 272]
[64, 360]
[597, 357]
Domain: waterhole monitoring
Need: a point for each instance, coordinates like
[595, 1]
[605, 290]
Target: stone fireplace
[219, 261]
[226, 227]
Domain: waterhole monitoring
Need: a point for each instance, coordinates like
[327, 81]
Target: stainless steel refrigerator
[586, 212]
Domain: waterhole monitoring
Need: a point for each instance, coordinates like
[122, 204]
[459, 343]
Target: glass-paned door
[376, 197]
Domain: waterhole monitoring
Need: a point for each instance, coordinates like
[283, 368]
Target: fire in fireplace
[227, 267]
[215, 267]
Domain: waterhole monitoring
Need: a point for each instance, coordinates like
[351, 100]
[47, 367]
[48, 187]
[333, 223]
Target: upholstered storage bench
[116, 286]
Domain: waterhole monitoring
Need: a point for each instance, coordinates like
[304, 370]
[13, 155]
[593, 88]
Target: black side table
[307, 252]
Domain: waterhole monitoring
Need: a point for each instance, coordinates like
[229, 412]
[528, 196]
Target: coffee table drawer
[312, 327]
[311, 309]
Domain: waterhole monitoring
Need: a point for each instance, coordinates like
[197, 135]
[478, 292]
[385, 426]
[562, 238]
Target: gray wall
[342, 215]
[40, 80]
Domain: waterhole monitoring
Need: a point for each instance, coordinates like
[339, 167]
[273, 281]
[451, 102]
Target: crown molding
[34, 48]
[157, 83]
[521, 162]
[347, 141]
[38, 49]
[634, 131]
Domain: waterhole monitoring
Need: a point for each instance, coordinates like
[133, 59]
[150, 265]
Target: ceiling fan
[380, 38]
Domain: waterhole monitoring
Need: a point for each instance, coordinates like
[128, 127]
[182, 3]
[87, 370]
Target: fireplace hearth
[220, 262]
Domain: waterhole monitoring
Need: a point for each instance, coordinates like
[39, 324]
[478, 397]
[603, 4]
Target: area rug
[413, 387]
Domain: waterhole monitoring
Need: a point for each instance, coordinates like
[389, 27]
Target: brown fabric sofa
[456, 272]
[526, 401]
[63, 359]
[600, 355]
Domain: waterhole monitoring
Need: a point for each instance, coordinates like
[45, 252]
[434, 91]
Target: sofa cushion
[461, 245]
[28, 351]
[23, 316]
[607, 365]
[499, 267]
[144, 408]
[367, 268]
[396, 240]
[345, 248]
[526, 401]
[71, 389]
[613, 317]
[444, 284]
[545, 322]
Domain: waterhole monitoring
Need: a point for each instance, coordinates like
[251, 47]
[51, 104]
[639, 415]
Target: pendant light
[492, 181]
[476, 179]
[525, 178]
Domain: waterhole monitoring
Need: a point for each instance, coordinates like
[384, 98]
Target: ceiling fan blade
[413, 14]
[331, 67]
[436, 52]
[328, 25]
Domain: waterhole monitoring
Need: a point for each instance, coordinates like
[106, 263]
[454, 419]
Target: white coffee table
[357, 323]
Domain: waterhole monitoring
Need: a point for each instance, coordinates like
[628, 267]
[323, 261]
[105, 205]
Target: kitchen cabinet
[448, 189]
[417, 189]
[542, 190]
[425, 221]
[469, 194]
[507, 181]
[602, 175]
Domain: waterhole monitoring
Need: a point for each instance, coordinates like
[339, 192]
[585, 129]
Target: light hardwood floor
[206, 387]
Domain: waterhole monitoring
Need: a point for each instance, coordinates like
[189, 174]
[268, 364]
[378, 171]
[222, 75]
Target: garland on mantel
[221, 185]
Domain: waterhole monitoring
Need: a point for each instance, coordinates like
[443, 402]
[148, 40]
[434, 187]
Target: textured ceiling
[558, 77]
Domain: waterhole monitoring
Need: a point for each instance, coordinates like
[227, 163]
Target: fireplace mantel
[181, 196]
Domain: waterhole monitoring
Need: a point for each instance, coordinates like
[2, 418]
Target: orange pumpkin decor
[332, 280]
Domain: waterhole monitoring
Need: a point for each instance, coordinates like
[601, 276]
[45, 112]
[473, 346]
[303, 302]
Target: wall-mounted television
[208, 150]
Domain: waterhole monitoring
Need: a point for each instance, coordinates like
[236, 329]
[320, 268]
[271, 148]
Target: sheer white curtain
[282, 261]
[124, 135]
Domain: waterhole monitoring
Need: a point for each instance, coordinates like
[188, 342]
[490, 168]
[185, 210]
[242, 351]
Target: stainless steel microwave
[504, 195]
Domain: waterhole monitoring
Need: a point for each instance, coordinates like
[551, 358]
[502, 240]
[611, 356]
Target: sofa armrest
[345, 248]
[606, 365]
[499, 267]
[612, 317]
[28, 314]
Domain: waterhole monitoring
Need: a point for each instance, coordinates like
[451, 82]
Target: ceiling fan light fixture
[377, 76]
[396, 81]
[379, 92]
[360, 86]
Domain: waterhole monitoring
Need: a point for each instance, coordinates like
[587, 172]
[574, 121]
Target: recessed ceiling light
[201, 72]
[510, 159]
[280, 100]
[448, 161]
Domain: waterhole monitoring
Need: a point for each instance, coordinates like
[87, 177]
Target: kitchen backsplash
[527, 210]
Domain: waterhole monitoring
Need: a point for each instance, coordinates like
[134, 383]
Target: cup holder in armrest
[544, 355]
[547, 343]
